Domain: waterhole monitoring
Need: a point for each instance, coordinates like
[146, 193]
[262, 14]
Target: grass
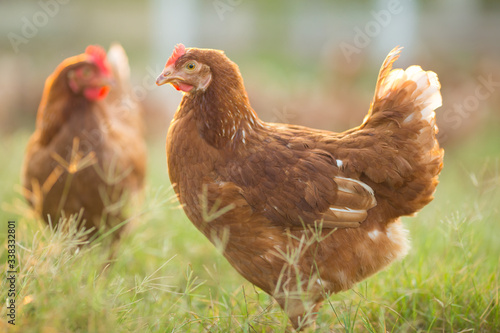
[169, 278]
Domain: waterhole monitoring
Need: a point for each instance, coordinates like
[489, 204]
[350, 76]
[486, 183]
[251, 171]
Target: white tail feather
[119, 61]
[426, 94]
[422, 92]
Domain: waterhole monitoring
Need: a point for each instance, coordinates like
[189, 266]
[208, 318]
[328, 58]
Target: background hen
[273, 195]
[87, 153]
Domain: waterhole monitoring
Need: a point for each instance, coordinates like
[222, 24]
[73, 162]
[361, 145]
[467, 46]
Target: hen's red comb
[98, 56]
[178, 52]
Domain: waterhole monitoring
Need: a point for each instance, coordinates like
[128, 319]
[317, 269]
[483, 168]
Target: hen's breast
[191, 163]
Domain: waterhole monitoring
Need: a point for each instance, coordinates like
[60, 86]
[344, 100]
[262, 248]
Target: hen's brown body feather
[273, 194]
[107, 133]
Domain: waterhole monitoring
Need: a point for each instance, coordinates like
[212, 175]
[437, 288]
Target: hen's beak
[166, 76]
[102, 81]
[162, 78]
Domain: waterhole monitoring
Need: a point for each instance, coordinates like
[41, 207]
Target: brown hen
[87, 153]
[301, 212]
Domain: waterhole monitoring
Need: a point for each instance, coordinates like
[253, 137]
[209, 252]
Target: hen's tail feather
[404, 104]
[121, 98]
[117, 58]
[413, 92]
[386, 69]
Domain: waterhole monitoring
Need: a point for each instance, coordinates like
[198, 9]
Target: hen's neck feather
[223, 113]
[57, 103]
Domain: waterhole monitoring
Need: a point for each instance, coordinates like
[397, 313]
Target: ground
[168, 278]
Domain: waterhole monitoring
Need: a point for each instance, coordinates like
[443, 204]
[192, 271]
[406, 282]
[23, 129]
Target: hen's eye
[86, 72]
[190, 66]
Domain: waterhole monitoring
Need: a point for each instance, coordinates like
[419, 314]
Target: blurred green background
[310, 63]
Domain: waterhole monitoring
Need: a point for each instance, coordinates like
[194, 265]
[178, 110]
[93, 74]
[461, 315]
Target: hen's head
[87, 74]
[194, 70]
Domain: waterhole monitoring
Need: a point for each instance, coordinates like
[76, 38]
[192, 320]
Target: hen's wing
[293, 183]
